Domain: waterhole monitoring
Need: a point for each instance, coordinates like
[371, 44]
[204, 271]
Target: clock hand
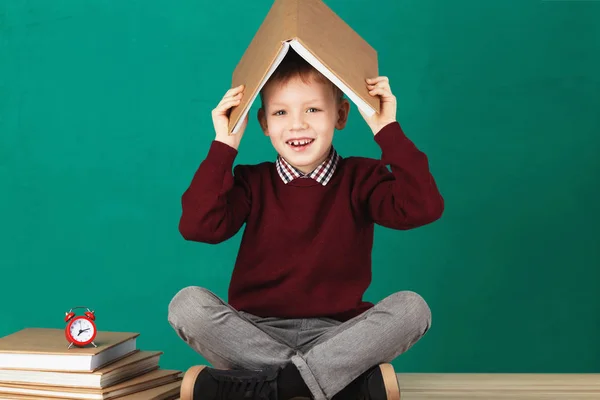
[86, 329]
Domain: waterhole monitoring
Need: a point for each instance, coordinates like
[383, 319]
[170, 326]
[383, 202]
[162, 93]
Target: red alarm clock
[80, 330]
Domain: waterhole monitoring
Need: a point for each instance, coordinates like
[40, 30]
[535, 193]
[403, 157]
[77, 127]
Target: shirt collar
[321, 174]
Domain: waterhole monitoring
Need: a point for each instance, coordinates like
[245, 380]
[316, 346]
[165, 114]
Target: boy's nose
[298, 123]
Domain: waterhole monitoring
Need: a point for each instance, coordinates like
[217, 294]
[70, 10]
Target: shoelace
[233, 388]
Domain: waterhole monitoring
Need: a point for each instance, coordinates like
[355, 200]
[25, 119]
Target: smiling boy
[295, 324]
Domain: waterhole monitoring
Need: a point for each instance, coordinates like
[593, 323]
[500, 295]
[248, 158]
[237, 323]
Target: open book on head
[319, 36]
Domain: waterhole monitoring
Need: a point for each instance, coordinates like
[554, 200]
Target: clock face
[82, 330]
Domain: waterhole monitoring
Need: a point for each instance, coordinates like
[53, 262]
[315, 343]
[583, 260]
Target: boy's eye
[281, 112]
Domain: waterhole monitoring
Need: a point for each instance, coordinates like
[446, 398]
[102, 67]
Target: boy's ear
[342, 114]
[262, 120]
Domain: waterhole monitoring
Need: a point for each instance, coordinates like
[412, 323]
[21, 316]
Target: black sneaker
[204, 383]
[377, 383]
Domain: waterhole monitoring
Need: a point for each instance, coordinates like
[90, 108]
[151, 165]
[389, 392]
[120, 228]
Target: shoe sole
[187, 384]
[390, 381]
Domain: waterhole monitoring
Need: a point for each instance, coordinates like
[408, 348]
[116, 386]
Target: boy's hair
[294, 65]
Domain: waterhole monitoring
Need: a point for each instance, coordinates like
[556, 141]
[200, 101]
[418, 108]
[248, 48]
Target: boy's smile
[300, 118]
[300, 144]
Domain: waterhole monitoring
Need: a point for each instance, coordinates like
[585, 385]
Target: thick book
[322, 38]
[169, 391]
[46, 349]
[137, 363]
[147, 381]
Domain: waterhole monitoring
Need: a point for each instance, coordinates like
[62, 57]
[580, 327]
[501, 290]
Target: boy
[295, 324]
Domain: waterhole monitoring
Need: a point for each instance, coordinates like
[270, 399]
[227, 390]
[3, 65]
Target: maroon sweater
[306, 248]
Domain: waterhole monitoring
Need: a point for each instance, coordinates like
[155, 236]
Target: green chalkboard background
[105, 115]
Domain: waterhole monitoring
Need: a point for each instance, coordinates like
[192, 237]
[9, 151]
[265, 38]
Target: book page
[284, 49]
[307, 55]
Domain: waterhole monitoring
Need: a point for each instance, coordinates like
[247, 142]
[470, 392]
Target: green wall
[105, 115]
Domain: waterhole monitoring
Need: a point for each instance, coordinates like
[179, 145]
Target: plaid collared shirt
[321, 174]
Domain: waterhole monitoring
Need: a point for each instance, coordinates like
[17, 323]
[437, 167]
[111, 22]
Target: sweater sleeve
[216, 204]
[407, 197]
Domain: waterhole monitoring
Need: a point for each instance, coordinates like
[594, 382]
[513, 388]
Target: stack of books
[36, 363]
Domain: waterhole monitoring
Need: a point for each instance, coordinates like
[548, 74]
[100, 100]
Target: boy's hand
[380, 86]
[220, 116]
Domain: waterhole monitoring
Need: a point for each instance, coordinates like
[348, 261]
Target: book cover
[47, 349]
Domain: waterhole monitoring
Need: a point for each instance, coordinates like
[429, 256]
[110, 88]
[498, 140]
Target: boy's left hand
[380, 86]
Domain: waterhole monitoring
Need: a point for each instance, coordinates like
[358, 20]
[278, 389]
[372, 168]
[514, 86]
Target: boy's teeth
[300, 142]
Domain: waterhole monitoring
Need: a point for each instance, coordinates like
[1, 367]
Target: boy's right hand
[220, 116]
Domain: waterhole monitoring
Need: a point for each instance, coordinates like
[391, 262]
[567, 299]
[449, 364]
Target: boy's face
[300, 118]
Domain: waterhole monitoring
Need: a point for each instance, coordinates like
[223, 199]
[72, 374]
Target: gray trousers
[328, 353]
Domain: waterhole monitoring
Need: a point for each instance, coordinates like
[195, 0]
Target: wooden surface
[499, 386]
[492, 387]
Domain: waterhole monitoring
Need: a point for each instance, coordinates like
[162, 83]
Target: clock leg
[94, 344]
[70, 345]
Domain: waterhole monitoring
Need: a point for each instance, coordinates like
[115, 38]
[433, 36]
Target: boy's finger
[227, 98]
[237, 89]
[230, 102]
[227, 105]
[222, 109]
[381, 84]
[234, 90]
[377, 79]
[381, 91]
[233, 96]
